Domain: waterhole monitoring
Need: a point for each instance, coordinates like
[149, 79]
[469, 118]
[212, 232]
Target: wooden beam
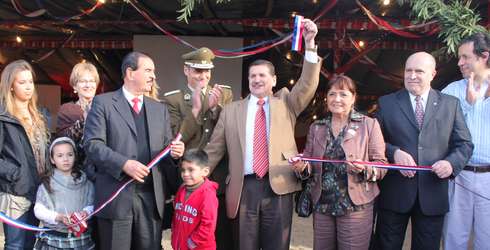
[127, 43]
[362, 24]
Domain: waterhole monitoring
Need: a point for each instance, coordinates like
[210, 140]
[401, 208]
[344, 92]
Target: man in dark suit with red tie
[421, 126]
[124, 131]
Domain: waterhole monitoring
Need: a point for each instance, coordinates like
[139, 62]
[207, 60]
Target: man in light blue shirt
[469, 209]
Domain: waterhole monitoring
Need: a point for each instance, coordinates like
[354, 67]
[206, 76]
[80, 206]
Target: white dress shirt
[311, 56]
[250, 128]
[130, 98]
[423, 99]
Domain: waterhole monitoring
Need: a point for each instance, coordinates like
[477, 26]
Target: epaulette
[172, 92]
[225, 86]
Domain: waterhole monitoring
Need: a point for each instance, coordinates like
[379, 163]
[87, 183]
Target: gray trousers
[141, 232]
[264, 218]
[468, 212]
[349, 232]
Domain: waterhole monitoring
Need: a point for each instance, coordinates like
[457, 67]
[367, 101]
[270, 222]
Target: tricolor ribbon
[367, 163]
[381, 165]
[18, 224]
[297, 33]
[150, 165]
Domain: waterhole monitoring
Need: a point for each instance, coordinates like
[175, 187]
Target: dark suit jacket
[110, 140]
[444, 136]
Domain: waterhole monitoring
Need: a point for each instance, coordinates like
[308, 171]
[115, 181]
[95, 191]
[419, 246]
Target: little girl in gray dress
[65, 190]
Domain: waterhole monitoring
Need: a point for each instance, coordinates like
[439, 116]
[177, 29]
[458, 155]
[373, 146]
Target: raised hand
[309, 32]
[214, 96]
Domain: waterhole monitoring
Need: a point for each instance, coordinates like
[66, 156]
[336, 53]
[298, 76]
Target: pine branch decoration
[188, 7]
[456, 19]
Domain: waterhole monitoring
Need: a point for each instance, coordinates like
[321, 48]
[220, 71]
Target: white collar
[130, 96]
[254, 99]
[424, 96]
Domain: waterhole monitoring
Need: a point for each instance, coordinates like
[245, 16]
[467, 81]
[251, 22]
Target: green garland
[456, 19]
[188, 6]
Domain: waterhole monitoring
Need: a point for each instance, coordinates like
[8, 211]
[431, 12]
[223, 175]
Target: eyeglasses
[86, 81]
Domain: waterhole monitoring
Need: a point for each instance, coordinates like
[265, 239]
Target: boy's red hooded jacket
[195, 218]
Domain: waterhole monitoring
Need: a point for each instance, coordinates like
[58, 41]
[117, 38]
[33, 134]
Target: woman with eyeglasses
[84, 80]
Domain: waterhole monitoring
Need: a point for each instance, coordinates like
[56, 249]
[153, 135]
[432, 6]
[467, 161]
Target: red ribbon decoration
[387, 26]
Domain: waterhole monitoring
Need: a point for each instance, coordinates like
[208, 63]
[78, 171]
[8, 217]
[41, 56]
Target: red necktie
[419, 111]
[136, 108]
[260, 147]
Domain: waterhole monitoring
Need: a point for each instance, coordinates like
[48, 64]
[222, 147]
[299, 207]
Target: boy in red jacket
[196, 205]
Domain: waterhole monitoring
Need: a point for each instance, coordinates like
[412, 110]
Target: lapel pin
[435, 103]
[351, 131]
[187, 97]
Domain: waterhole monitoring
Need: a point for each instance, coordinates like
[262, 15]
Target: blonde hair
[154, 92]
[79, 69]
[36, 132]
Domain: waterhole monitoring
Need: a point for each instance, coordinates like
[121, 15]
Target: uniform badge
[187, 97]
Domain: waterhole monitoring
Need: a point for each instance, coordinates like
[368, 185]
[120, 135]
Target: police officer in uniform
[194, 110]
[204, 106]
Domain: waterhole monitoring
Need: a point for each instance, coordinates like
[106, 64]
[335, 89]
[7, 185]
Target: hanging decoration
[68, 18]
[398, 31]
[18, 7]
[270, 23]
[188, 6]
[373, 66]
[49, 53]
[456, 19]
[235, 53]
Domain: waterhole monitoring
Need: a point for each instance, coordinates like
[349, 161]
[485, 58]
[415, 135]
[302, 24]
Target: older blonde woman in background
[84, 80]
[23, 143]
[343, 193]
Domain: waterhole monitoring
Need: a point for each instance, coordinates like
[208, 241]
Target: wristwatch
[314, 49]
